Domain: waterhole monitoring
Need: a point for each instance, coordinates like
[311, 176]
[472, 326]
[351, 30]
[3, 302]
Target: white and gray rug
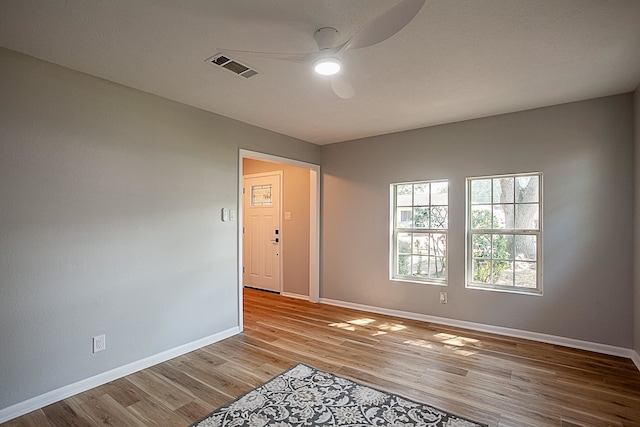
[304, 396]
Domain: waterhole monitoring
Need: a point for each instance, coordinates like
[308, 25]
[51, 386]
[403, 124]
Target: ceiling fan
[327, 60]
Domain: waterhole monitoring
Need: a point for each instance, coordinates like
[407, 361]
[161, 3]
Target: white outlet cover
[99, 343]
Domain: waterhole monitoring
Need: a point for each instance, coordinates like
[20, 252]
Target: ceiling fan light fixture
[327, 66]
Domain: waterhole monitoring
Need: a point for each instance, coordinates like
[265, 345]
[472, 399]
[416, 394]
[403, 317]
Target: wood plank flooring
[492, 379]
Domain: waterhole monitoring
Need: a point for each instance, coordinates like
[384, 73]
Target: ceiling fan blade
[385, 25]
[302, 58]
[341, 87]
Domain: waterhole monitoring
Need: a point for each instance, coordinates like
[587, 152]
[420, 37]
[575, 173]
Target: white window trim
[393, 243]
[469, 284]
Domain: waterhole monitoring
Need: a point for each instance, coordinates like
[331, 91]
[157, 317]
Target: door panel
[262, 238]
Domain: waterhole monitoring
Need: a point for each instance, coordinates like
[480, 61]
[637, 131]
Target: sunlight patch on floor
[361, 322]
[383, 328]
[463, 352]
[345, 326]
[454, 343]
[420, 343]
[392, 327]
[455, 339]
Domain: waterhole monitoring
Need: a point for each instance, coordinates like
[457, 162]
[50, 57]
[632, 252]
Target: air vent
[232, 65]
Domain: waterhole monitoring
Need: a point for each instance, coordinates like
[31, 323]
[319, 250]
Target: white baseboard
[636, 358]
[61, 393]
[499, 330]
[297, 296]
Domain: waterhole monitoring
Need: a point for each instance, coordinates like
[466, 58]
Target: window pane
[420, 244]
[404, 243]
[420, 194]
[419, 266]
[525, 276]
[503, 190]
[404, 217]
[437, 244]
[421, 217]
[439, 218]
[481, 244]
[481, 217]
[437, 268]
[525, 248]
[503, 273]
[481, 271]
[439, 193]
[404, 267]
[502, 216]
[404, 196]
[527, 189]
[502, 247]
[261, 195]
[527, 217]
[480, 191]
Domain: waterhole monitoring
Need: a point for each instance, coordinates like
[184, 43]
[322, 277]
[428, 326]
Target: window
[261, 195]
[420, 219]
[504, 233]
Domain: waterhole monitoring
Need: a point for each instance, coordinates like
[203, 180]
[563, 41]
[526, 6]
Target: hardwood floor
[492, 379]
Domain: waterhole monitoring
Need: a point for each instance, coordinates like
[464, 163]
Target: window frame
[394, 231]
[469, 256]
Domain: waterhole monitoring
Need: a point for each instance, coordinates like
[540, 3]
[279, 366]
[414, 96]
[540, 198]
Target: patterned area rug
[304, 396]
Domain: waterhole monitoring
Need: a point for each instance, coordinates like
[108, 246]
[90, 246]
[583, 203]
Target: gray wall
[584, 150]
[636, 251]
[110, 205]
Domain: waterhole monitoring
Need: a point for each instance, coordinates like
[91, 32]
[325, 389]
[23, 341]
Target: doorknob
[276, 240]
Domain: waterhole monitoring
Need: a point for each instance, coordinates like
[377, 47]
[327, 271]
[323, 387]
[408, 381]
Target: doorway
[299, 264]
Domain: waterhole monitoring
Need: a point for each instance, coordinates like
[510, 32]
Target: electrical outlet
[443, 297]
[99, 343]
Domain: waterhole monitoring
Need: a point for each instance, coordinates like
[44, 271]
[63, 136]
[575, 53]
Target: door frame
[280, 176]
[314, 222]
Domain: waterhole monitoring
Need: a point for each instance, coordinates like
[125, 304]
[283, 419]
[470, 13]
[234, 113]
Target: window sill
[519, 291]
[421, 282]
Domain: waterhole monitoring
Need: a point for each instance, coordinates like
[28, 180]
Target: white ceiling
[457, 60]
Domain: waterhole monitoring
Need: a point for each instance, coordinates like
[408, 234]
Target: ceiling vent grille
[232, 65]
